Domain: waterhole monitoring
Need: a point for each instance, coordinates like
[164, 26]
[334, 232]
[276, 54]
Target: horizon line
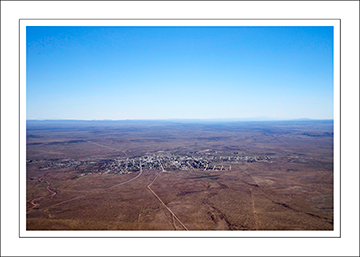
[192, 119]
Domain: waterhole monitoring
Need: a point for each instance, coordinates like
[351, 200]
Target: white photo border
[335, 23]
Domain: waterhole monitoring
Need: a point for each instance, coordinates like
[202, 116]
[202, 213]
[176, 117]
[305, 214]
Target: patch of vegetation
[75, 141]
[292, 170]
[205, 176]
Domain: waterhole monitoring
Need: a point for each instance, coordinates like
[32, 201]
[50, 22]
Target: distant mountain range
[180, 120]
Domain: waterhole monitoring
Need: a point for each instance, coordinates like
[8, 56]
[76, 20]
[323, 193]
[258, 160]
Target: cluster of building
[160, 161]
[62, 163]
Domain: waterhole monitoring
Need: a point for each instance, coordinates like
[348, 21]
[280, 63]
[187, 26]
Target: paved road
[162, 167]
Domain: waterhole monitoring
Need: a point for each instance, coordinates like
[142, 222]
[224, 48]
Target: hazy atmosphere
[179, 72]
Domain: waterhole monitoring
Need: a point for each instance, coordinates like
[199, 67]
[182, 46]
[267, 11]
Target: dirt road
[35, 202]
[254, 211]
[173, 214]
[82, 196]
[123, 151]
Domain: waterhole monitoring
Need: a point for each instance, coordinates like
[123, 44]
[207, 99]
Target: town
[157, 161]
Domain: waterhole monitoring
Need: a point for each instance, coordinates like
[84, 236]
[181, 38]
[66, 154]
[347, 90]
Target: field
[179, 175]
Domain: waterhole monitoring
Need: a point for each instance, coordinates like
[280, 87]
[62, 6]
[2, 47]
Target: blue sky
[179, 72]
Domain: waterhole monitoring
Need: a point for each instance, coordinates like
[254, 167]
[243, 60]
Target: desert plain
[179, 175]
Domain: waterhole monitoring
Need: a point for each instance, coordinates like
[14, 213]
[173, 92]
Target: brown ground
[291, 191]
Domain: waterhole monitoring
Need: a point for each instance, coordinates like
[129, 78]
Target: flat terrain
[157, 175]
